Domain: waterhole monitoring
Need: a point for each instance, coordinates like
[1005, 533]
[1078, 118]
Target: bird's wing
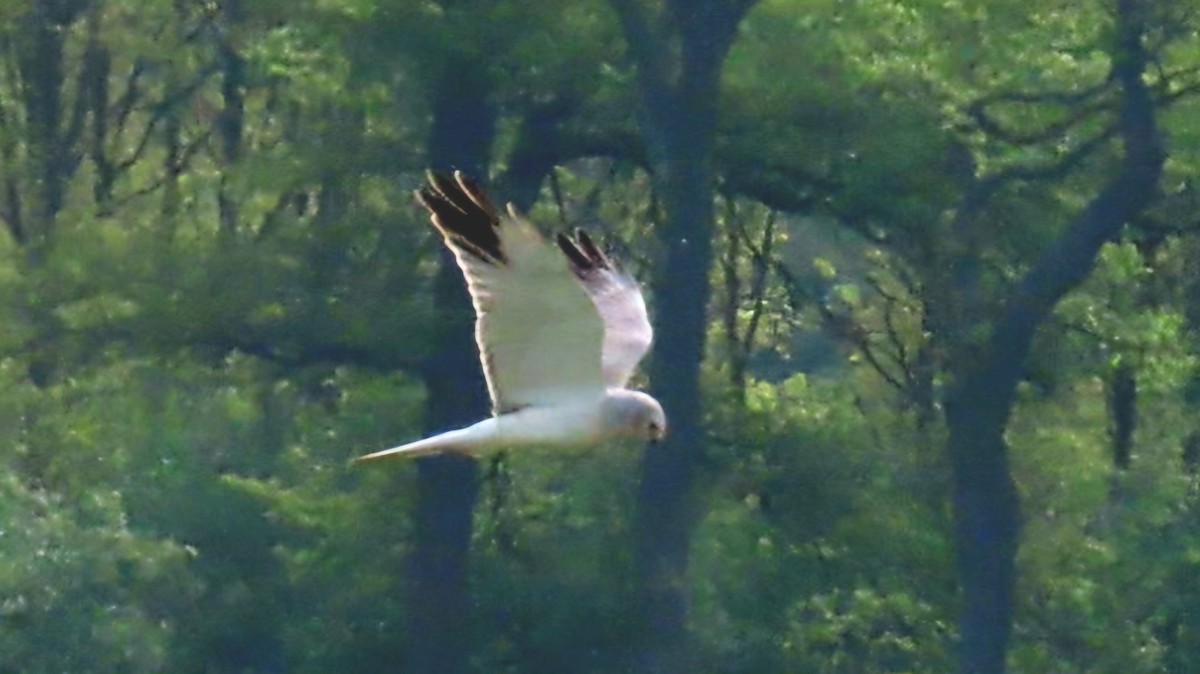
[618, 299]
[539, 337]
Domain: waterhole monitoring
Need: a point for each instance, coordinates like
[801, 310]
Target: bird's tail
[453, 441]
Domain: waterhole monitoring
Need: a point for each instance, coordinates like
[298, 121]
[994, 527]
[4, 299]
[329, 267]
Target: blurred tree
[216, 289]
[463, 131]
[679, 49]
[465, 64]
[982, 292]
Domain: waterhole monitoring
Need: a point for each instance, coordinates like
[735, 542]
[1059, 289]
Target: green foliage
[868, 631]
[234, 294]
[81, 591]
[811, 497]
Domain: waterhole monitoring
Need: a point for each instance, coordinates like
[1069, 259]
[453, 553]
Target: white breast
[574, 424]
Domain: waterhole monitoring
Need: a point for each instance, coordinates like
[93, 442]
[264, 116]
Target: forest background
[923, 272]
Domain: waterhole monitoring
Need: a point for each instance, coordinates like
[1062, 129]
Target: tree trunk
[40, 61]
[230, 125]
[535, 152]
[447, 487]
[986, 511]
[1122, 411]
[978, 405]
[679, 49]
[665, 506]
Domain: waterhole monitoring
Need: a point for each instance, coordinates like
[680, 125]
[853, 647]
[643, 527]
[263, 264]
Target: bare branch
[758, 282]
[129, 98]
[1084, 105]
[1052, 170]
[185, 157]
[162, 108]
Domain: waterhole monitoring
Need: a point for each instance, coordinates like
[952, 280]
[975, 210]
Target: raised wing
[539, 337]
[618, 298]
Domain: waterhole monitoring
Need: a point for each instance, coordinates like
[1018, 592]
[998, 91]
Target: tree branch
[185, 157]
[161, 109]
[647, 48]
[1052, 170]
[1066, 263]
[1092, 96]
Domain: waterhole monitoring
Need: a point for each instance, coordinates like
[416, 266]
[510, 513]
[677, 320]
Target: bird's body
[559, 332]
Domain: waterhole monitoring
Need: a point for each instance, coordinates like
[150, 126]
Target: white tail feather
[464, 441]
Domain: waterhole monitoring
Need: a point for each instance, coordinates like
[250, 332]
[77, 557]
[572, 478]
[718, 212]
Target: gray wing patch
[618, 299]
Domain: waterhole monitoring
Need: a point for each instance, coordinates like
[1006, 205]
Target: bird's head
[635, 415]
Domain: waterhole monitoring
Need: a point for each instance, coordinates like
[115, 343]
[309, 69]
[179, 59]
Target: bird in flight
[559, 331]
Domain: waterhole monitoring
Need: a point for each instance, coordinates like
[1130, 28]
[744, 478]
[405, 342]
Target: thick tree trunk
[679, 48]
[447, 486]
[986, 512]
[986, 508]
[665, 506]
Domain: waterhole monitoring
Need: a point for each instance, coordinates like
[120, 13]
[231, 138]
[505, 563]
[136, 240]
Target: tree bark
[1122, 411]
[665, 515]
[535, 152]
[986, 512]
[679, 49]
[230, 124]
[40, 61]
[464, 124]
[979, 403]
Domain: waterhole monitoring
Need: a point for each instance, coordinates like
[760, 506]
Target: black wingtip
[469, 187]
[582, 251]
[461, 211]
[597, 256]
[579, 261]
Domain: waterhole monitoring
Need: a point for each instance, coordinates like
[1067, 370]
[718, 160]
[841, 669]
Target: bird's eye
[656, 431]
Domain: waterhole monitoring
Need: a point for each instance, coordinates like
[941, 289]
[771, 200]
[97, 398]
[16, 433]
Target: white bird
[559, 332]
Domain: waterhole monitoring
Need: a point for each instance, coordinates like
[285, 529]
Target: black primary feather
[463, 215]
[584, 254]
[597, 256]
